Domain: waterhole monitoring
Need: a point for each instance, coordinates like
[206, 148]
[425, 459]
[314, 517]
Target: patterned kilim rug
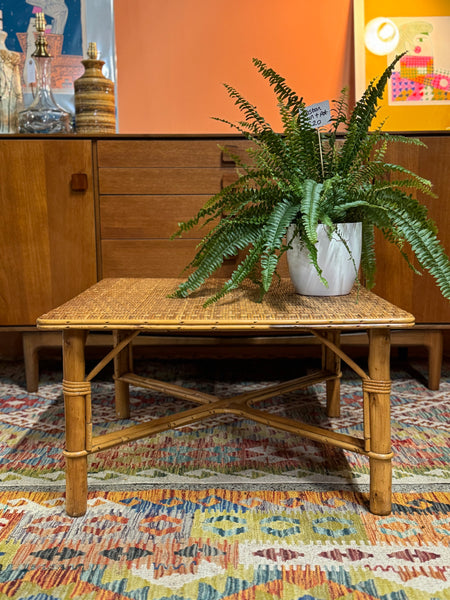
[192, 515]
[224, 545]
[223, 452]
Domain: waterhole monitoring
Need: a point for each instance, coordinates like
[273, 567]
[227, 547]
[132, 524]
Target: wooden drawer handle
[239, 151]
[79, 182]
[226, 158]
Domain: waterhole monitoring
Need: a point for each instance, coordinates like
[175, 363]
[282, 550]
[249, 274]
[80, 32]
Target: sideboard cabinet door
[47, 225]
[395, 281]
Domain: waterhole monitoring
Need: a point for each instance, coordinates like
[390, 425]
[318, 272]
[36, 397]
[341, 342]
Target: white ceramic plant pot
[339, 267]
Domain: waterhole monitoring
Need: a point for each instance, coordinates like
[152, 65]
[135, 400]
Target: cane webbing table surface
[127, 306]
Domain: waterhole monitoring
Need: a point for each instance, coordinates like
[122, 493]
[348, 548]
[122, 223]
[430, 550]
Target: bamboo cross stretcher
[130, 306]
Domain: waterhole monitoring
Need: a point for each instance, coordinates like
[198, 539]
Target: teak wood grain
[157, 258]
[397, 283]
[167, 153]
[145, 189]
[150, 258]
[166, 180]
[146, 216]
[47, 239]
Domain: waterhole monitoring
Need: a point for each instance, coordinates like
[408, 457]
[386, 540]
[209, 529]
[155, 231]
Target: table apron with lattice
[130, 306]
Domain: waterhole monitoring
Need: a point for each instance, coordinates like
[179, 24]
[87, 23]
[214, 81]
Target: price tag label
[319, 114]
[29, 73]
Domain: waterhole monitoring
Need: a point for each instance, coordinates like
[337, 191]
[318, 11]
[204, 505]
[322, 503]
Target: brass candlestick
[41, 50]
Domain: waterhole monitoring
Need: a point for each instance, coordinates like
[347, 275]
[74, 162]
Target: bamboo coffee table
[130, 306]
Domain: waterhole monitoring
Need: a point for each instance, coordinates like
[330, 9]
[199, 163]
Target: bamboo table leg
[380, 422]
[332, 362]
[75, 389]
[122, 364]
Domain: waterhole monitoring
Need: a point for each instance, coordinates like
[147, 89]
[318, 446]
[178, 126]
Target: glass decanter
[43, 115]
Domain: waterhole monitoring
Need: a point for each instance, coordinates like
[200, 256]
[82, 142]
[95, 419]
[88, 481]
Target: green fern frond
[283, 92]
[367, 150]
[224, 244]
[249, 110]
[362, 117]
[311, 208]
[427, 248]
[242, 271]
[393, 138]
[411, 180]
[392, 197]
[307, 139]
[380, 152]
[229, 199]
[339, 110]
[368, 259]
[274, 232]
[364, 175]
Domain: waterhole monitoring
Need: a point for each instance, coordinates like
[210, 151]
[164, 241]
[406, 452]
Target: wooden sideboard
[78, 209]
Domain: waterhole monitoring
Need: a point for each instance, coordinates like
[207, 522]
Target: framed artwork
[71, 25]
[418, 93]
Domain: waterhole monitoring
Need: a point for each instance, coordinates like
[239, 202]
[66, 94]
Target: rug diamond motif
[190, 515]
[160, 544]
[223, 451]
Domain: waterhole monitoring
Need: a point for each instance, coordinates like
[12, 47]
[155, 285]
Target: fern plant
[304, 176]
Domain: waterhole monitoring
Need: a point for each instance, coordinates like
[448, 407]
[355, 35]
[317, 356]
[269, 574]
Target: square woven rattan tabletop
[140, 303]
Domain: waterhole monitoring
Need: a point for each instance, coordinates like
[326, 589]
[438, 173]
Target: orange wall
[173, 55]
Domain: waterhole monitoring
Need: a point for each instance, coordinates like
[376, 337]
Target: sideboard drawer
[133, 217]
[160, 180]
[167, 153]
[151, 258]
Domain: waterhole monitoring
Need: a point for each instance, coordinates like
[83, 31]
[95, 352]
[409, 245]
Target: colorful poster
[418, 97]
[423, 74]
